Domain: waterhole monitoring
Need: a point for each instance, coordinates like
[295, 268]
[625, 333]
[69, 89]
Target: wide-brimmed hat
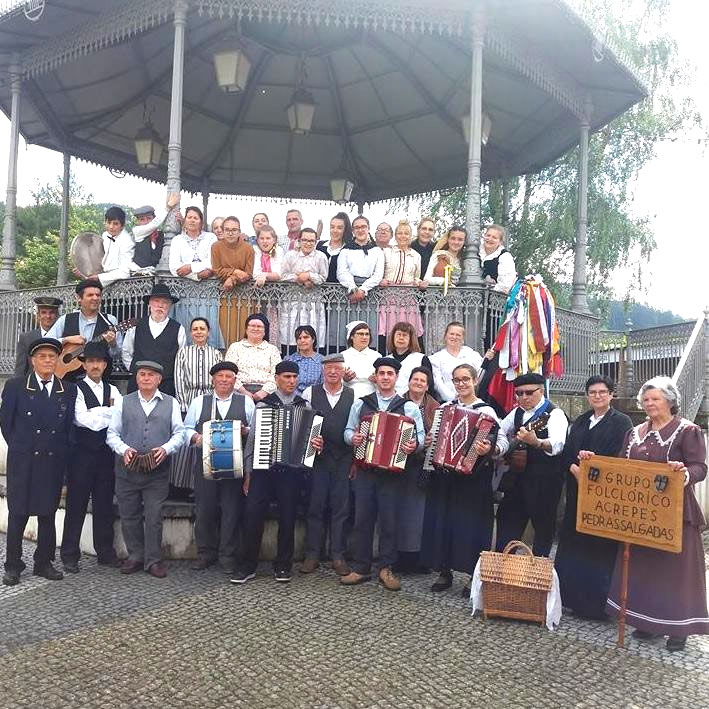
[95, 350]
[160, 290]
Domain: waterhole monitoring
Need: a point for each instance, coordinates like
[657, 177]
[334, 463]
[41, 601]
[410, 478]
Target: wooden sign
[632, 501]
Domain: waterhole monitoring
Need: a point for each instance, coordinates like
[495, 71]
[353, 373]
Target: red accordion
[386, 434]
[454, 439]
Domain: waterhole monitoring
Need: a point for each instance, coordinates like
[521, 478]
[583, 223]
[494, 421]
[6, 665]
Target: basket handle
[514, 544]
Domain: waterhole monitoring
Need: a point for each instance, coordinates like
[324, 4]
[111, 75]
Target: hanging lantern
[300, 111]
[484, 133]
[148, 146]
[232, 68]
[341, 189]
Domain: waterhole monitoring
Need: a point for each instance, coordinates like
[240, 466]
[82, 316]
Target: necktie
[45, 387]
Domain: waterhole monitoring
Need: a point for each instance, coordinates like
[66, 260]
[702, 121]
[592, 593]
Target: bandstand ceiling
[391, 81]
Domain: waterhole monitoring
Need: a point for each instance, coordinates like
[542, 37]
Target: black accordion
[283, 436]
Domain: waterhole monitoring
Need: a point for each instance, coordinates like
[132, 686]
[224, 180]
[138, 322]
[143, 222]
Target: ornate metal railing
[287, 304]
[691, 373]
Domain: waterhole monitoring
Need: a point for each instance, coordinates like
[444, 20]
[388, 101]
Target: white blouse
[276, 262]
[361, 362]
[443, 363]
[401, 267]
[196, 252]
[506, 270]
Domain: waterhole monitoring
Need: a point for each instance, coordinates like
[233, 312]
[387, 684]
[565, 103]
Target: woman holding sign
[584, 563]
[666, 592]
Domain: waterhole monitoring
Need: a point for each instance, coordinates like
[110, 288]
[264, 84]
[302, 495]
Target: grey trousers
[218, 514]
[333, 487]
[140, 499]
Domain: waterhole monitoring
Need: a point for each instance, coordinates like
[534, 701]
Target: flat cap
[287, 367]
[144, 211]
[46, 301]
[45, 342]
[529, 378]
[333, 358]
[387, 362]
[222, 366]
[149, 364]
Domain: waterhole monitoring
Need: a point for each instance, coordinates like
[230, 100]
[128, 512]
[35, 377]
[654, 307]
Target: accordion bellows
[386, 434]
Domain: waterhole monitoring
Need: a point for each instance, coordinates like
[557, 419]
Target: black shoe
[443, 582]
[201, 564]
[675, 644]
[11, 578]
[243, 576]
[48, 572]
[71, 567]
[643, 635]
[282, 575]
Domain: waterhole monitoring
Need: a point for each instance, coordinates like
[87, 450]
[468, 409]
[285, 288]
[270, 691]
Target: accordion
[284, 436]
[454, 431]
[385, 437]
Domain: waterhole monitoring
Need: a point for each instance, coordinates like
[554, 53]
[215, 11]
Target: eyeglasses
[599, 392]
[360, 226]
[462, 380]
[525, 392]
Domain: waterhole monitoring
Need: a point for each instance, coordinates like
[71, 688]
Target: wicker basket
[515, 585]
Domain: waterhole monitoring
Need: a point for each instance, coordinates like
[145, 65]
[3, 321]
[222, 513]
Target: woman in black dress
[584, 563]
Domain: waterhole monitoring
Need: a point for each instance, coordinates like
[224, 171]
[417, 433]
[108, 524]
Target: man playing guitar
[86, 323]
[535, 493]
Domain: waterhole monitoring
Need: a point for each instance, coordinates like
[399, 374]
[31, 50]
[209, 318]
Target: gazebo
[326, 99]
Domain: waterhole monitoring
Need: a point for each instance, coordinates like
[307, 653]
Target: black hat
[87, 283]
[287, 367]
[45, 342]
[97, 350]
[143, 211]
[149, 364]
[529, 378]
[221, 366]
[387, 362]
[160, 290]
[45, 301]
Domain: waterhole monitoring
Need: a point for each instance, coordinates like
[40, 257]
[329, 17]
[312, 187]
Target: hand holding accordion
[386, 441]
[143, 463]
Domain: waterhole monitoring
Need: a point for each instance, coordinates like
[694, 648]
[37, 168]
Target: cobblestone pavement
[100, 639]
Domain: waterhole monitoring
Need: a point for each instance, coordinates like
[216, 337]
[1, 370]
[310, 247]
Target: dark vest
[335, 450]
[370, 405]
[71, 325]
[538, 460]
[145, 255]
[85, 437]
[236, 412]
[161, 349]
[491, 266]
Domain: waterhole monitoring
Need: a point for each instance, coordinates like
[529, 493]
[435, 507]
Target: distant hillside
[640, 315]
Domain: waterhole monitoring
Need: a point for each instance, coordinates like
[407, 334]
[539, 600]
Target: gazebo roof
[391, 80]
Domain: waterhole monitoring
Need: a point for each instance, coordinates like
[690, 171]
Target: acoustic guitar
[69, 358]
[516, 455]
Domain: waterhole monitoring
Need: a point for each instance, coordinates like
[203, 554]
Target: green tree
[540, 209]
[38, 265]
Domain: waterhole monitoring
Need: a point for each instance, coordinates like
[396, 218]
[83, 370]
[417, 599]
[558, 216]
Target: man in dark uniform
[148, 237]
[280, 481]
[377, 491]
[36, 419]
[47, 314]
[90, 471]
[330, 478]
[218, 503]
[534, 493]
[156, 338]
[87, 323]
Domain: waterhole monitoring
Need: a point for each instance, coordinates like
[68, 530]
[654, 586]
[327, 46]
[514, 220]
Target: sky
[670, 190]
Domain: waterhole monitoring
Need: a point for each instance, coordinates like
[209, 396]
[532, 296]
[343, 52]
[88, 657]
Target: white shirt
[443, 363]
[195, 409]
[332, 398]
[115, 428]
[141, 231]
[155, 329]
[353, 263]
[196, 252]
[276, 261]
[557, 426]
[87, 327]
[506, 270]
[99, 417]
[50, 384]
[594, 420]
[361, 362]
[117, 257]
